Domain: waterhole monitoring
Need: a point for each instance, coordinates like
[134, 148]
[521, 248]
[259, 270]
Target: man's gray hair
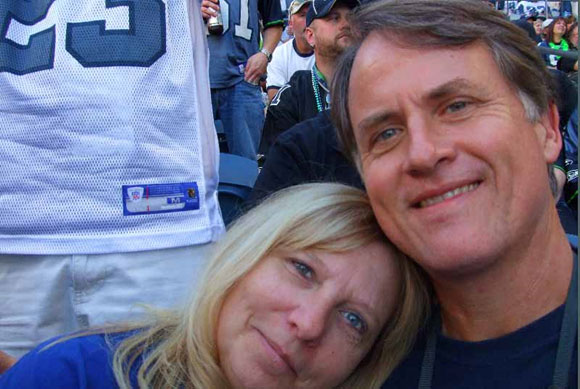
[444, 24]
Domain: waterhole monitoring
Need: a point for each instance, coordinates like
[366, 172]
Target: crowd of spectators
[298, 140]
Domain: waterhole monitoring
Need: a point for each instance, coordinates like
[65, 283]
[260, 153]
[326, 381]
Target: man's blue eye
[388, 133]
[354, 320]
[457, 106]
[303, 269]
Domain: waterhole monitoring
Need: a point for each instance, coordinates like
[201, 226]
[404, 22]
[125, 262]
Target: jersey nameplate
[160, 198]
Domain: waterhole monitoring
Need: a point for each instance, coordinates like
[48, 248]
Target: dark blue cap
[321, 8]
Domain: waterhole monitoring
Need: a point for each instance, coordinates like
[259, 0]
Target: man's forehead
[423, 74]
[398, 53]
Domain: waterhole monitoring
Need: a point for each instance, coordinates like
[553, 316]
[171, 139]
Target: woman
[303, 291]
[555, 40]
[570, 65]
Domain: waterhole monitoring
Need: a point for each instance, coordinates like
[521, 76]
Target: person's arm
[6, 362]
[272, 92]
[276, 72]
[273, 22]
[257, 63]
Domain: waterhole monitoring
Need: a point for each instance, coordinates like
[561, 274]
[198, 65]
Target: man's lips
[279, 351]
[436, 196]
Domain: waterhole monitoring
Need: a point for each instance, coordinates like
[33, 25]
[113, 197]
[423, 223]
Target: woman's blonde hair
[178, 350]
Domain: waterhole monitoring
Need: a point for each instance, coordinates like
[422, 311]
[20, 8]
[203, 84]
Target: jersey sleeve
[271, 13]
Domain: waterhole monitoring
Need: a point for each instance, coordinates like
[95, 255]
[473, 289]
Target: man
[307, 152]
[454, 146]
[108, 196]
[236, 66]
[296, 54]
[526, 22]
[306, 94]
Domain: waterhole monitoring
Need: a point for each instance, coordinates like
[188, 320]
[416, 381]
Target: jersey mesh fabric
[71, 136]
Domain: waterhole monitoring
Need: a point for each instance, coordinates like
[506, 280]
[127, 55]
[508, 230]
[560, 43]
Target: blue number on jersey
[38, 54]
[89, 43]
[141, 45]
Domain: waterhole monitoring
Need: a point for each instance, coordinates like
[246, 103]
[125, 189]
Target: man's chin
[343, 43]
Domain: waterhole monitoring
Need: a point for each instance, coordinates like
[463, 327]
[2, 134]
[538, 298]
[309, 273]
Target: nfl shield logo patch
[135, 193]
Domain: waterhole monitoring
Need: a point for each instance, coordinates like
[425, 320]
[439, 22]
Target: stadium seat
[237, 178]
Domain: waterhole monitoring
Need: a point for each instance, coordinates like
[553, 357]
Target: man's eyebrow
[374, 119]
[454, 86]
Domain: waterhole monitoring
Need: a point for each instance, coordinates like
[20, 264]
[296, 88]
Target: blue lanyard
[565, 343]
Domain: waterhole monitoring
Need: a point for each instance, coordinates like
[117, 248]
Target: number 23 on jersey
[143, 43]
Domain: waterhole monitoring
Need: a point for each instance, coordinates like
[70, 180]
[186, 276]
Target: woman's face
[560, 27]
[306, 319]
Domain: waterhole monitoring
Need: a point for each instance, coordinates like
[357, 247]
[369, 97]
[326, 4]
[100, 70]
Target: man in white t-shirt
[296, 54]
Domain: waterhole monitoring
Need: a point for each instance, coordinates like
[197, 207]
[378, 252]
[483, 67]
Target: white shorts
[44, 296]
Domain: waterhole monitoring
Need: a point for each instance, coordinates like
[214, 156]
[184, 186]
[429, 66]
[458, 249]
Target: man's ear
[549, 133]
[309, 33]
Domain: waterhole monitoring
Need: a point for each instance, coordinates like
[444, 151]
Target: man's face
[455, 172]
[330, 35]
[538, 26]
[298, 22]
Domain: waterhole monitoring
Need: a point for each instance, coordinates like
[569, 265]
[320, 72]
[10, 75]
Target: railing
[565, 54]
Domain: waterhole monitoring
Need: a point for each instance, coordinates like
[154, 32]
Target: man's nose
[428, 146]
[344, 24]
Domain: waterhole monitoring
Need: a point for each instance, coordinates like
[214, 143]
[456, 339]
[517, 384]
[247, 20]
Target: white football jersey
[107, 142]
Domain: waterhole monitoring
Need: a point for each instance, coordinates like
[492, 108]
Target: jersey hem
[107, 245]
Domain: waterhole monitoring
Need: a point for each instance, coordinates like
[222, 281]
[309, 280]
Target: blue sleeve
[271, 13]
[545, 56]
[83, 362]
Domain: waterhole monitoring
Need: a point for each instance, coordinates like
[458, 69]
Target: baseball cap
[321, 8]
[532, 14]
[295, 6]
[547, 22]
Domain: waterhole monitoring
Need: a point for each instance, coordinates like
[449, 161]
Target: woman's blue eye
[354, 320]
[303, 269]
